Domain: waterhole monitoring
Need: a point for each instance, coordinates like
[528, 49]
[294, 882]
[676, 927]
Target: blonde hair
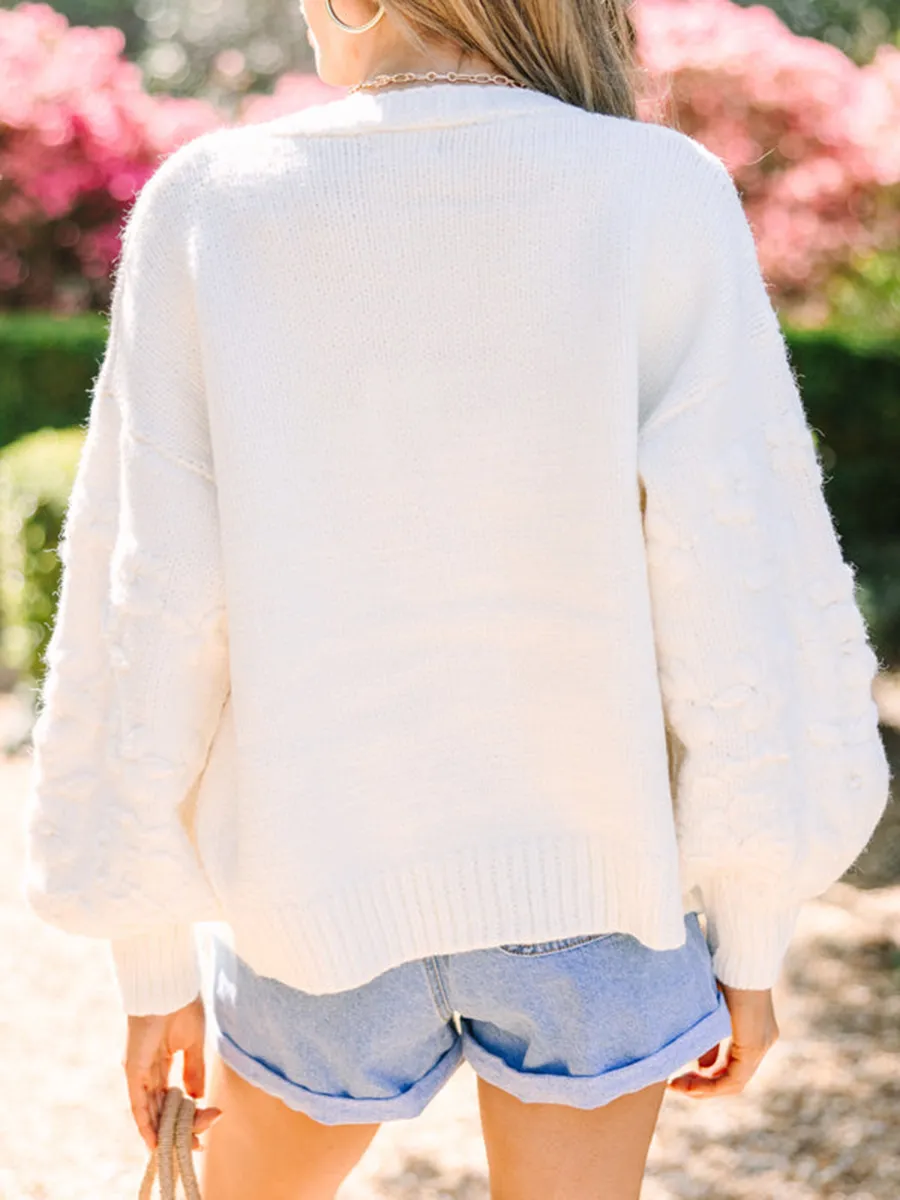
[581, 51]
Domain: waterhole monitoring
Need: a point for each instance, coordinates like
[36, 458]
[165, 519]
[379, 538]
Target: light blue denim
[578, 1022]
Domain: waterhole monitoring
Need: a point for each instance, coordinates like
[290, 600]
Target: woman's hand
[754, 1031]
[152, 1043]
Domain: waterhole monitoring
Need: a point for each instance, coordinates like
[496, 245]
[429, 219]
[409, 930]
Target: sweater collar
[426, 105]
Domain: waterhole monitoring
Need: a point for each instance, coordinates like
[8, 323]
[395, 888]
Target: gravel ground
[821, 1119]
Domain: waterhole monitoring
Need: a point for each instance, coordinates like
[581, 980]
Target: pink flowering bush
[78, 139]
[292, 92]
[810, 137]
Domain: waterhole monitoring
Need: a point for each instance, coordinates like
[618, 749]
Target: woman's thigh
[260, 1149]
[553, 1152]
[304, 1081]
[573, 1042]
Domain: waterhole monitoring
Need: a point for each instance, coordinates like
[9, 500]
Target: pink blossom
[79, 137]
[292, 92]
[809, 136]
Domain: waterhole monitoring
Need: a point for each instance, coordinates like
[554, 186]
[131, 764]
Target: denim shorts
[578, 1022]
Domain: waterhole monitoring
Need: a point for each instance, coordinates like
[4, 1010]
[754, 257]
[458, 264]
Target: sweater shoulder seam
[180, 460]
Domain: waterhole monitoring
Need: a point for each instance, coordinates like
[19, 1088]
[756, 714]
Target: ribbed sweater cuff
[748, 933]
[157, 972]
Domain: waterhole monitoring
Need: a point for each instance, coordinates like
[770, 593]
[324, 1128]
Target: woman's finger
[153, 1103]
[139, 1096]
[194, 1069]
[730, 1082]
[204, 1118]
[709, 1058]
[145, 1037]
[163, 1069]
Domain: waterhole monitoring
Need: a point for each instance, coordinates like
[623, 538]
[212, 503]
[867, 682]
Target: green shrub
[36, 475]
[851, 388]
[47, 366]
[866, 295]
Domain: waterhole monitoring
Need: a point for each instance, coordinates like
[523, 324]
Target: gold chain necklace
[433, 77]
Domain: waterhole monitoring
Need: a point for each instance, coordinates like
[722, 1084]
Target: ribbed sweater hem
[748, 932]
[474, 898]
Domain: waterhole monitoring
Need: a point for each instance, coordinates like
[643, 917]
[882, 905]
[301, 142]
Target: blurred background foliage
[219, 48]
[857, 27]
[809, 135]
[36, 474]
[213, 49]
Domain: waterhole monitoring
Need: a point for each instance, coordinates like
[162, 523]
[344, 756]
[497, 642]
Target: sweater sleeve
[137, 665]
[765, 666]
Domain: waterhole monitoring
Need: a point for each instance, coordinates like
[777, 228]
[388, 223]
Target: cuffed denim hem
[341, 1110]
[593, 1091]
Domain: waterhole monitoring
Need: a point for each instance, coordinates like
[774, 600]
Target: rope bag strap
[172, 1158]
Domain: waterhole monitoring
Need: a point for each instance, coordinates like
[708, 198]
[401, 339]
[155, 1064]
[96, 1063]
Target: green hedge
[47, 367]
[851, 389]
[36, 476]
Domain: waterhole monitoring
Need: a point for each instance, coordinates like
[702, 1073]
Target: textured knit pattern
[448, 562]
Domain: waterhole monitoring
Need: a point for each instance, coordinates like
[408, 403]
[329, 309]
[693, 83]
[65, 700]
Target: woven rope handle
[172, 1159]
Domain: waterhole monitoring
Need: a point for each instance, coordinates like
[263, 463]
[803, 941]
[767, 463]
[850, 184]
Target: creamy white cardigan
[448, 562]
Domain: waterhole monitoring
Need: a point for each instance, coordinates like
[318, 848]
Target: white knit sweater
[448, 562]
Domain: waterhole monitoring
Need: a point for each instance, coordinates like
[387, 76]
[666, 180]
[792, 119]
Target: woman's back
[426, 483]
[484, 429]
